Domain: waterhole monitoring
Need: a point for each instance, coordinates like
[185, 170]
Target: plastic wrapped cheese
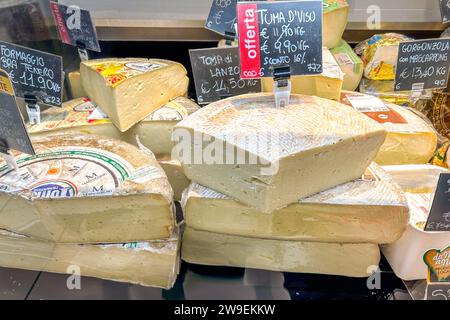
[86, 117]
[86, 189]
[379, 54]
[149, 263]
[406, 254]
[350, 64]
[410, 139]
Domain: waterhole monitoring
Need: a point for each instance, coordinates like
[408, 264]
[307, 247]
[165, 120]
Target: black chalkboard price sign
[222, 16]
[217, 74]
[281, 33]
[75, 26]
[445, 10]
[439, 217]
[33, 72]
[423, 64]
[13, 134]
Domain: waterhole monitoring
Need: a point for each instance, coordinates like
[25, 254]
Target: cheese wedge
[350, 64]
[327, 85]
[410, 139]
[176, 176]
[151, 263]
[75, 85]
[209, 248]
[268, 158]
[130, 89]
[86, 189]
[369, 210]
[335, 18]
[83, 116]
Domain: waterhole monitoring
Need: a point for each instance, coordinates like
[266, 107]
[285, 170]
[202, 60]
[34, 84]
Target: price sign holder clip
[282, 85]
[6, 154]
[82, 51]
[33, 109]
[230, 37]
[416, 92]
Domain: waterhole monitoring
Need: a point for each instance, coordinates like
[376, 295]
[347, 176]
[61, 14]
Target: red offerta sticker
[60, 23]
[249, 49]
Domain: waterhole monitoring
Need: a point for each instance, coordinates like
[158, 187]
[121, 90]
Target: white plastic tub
[406, 255]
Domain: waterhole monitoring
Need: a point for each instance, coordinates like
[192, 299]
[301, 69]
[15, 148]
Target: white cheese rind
[86, 189]
[369, 210]
[208, 248]
[130, 89]
[294, 146]
[151, 263]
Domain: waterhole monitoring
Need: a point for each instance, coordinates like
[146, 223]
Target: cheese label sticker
[438, 262]
[114, 73]
[372, 107]
[66, 172]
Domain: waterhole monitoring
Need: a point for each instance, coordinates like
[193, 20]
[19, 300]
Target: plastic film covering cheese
[406, 254]
[84, 116]
[348, 259]
[149, 263]
[350, 64]
[379, 54]
[437, 110]
[86, 189]
[410, 138]
[368, 210]
[384, 89]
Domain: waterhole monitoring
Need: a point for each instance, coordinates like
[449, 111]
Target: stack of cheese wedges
[96, 203]
[286, 189]
[83, 116]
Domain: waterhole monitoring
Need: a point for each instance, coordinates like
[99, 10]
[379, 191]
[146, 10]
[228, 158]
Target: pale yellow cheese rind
[150, 263]
[132, 99]
[208, 248]
[327, 85]
[372, 209]
[176, 176]
[335, 18]
[86, 189]
[75, 85]
[293, 146]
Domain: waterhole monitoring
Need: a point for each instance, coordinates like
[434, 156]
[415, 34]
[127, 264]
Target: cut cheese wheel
[84, 116]
[327, 85]
[86, 189]
[335, 18]
[128, 90]
[208, 248]
[268, 158]
[151, 263]
[410, 140]
[350, 64]
[75, 85]
[176, 176]
[369, 210]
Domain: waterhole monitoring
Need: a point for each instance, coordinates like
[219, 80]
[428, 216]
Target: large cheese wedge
[75, 85]
[86, 189]
[335, 18]
[327, 85]
[268, 158]
[370, 210]
[176, 176]
[410, 139]
[209, 248]
[151, 263]
[350, 64]
[130, 89]
[84, 116]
